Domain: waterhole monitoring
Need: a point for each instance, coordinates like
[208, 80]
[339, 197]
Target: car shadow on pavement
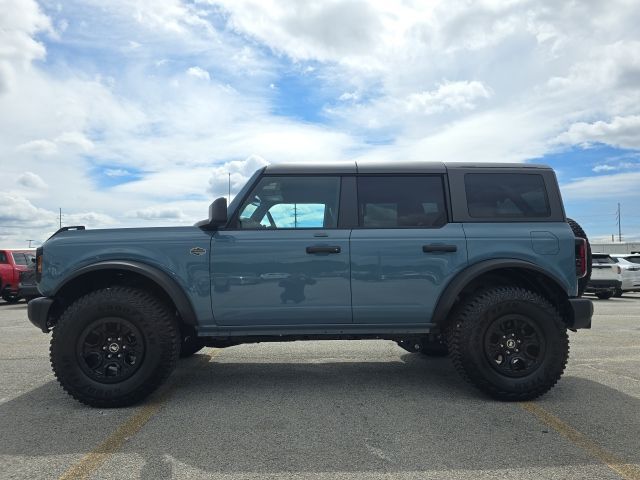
[411, 414]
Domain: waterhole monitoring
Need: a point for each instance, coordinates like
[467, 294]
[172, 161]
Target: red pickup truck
[12, 263]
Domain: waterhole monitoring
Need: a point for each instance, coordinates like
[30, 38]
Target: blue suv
[476, 261]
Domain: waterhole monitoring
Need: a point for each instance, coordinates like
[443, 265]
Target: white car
[630, 265]
[606, 276]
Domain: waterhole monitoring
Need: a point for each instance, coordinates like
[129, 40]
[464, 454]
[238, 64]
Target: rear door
[405, 251]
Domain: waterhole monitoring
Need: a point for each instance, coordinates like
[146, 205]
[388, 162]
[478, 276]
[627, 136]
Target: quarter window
[292, 202]
[401, 202]
[506, 195]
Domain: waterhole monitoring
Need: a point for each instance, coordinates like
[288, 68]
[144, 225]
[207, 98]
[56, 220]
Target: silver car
[630, 266]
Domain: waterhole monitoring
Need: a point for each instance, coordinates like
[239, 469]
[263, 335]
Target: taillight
[581, 257]
[38, 264]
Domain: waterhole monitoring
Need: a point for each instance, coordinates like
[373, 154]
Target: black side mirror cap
[217, 215]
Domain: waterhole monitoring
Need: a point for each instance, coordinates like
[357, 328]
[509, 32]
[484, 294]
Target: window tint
[506, 195]
[19, 258]
[633, 259]
[292, 202]
[396, 202]
[603, 259]
[3, 257]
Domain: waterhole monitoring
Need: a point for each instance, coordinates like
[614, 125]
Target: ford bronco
[477, 261]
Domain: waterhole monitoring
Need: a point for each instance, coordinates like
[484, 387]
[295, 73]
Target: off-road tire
[159, 332]
[466, 340]
[190, 345]
[579, 233]
[604, 295]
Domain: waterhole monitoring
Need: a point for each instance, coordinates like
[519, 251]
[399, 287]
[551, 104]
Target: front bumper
[38, 312]
[582, 311]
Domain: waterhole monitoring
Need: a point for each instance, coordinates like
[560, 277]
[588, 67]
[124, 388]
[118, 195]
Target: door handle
[323, 249]
[439, 247]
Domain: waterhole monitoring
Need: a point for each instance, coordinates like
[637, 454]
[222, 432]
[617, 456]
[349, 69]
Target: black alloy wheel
[110, 350]
[514, 345]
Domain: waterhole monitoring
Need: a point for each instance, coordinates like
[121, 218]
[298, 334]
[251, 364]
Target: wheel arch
[132, 273]
[495, 272]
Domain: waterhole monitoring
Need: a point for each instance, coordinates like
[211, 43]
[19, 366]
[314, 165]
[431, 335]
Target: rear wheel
[618, 293]
[113, 347]
[509, 342]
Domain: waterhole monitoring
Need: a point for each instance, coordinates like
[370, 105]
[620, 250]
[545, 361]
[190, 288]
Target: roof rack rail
[66, 229]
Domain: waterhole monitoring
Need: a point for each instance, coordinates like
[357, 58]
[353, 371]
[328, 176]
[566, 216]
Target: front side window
[506, 195]
[401, 202]
[292, 202]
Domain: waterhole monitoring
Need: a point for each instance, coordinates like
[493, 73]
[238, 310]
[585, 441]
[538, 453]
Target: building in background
[616, 247]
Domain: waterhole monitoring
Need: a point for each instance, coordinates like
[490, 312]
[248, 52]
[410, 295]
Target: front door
[284, 261]
[405, 251]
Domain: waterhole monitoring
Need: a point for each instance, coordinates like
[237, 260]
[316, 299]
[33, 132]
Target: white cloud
[159, 212]
[198, 72]
[19, 22]
[620, 132]
[614, 186]
[32, 181]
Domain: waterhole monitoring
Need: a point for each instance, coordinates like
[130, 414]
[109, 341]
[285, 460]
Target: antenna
[619, 220]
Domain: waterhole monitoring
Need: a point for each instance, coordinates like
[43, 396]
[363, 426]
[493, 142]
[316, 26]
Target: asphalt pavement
[328, 410]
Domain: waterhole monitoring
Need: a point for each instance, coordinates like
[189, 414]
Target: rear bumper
[603, 285]
[38, 312]
[582, 311]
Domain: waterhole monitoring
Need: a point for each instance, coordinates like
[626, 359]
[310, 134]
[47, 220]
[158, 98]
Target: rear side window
[401, 202]
[633, 259]
[506, 195]
[19, 258]
[603, 259]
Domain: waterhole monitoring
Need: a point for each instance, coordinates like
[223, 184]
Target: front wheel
[604, 295]
[113, 347]
[510, 342]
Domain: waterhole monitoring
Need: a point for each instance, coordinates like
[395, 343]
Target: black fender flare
[463, 278]
[171, 287]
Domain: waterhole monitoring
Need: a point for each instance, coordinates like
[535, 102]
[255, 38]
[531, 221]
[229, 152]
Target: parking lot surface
[343, 410]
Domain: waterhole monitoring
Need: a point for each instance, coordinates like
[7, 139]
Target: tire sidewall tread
[466, 342]
[148, 314]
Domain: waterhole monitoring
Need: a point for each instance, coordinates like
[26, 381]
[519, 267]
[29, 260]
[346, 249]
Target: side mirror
[217, 214]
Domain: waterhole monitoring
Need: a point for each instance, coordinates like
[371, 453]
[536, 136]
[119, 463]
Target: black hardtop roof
[388, 167]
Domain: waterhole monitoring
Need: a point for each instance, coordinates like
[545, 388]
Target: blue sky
[133, 113]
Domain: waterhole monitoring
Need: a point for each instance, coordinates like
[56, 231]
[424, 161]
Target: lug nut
[508, 352]
[519, 341]
[119, 339]
[104, 348]
[120, 355]
[517, 350]
[109, 356]
[109, 339]
[124, 347]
